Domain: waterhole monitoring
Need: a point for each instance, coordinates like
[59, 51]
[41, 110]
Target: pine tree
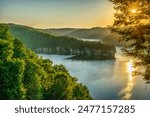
[132, 22]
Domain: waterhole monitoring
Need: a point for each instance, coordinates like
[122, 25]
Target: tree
[19, 49]
[61, 87]
[81, 92]
[132, 22]
[4, 33]
[11, 70]
[11, 77]
[32, 80]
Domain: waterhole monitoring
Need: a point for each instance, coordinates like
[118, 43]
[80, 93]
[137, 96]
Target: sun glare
[133, 10]
[130, 69]
[126, 92]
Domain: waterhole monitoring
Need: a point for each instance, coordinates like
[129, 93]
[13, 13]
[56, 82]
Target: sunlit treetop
[131, 12]
[132, 22]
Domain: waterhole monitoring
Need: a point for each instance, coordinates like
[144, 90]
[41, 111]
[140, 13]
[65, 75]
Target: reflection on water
[126, 93]
[110, 79]
[130, 69]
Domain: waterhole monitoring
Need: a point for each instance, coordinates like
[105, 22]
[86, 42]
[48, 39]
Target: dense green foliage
[23, 75]
[132, 22]
[45, 43]
[34, 39]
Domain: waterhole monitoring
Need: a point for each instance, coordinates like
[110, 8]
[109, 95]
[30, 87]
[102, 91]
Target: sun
[133, 10]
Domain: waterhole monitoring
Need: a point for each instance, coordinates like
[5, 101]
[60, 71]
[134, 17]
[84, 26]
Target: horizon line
[54, 27]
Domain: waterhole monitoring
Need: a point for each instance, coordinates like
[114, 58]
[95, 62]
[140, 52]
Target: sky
[57, 13]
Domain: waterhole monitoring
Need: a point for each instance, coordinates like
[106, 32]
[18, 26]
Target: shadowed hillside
[103, 34]
[42, 42]
[93, 33]
[61, 31]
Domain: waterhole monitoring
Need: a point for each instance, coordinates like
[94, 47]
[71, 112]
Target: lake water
[90, 39]
[109, 79]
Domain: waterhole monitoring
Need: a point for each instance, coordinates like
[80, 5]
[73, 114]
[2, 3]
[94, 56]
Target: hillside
[61, 31]
[24, 75]
[93, 33]
[103, 34]
[113, 39]
[42, 42]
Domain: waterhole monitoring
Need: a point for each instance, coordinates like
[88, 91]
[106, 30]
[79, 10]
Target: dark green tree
[132, 22]
[61, 88]
[11, 80]
[11, 70]
[32, 80]
[80, 92]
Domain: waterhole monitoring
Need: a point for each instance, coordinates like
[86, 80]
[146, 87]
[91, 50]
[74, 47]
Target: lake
[108, 79]
[96, 40]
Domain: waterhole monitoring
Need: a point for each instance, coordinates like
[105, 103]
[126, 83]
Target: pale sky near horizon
[57, 13]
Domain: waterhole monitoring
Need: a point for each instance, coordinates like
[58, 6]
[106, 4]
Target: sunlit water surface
[109, 79]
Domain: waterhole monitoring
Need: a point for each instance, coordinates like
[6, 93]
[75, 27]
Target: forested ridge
[85, 33]
[23, 75]
[99, 33]
[34, 38]
[45, 43]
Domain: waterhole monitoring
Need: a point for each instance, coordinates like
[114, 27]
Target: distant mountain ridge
[95, 33]
[45, 43]
[101, 33]
[60, 31]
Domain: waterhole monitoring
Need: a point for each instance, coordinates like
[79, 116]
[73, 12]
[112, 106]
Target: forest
[48, 43]
[24, 75]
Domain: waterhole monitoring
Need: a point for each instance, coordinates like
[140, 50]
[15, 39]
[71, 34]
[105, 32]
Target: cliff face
[83, 54]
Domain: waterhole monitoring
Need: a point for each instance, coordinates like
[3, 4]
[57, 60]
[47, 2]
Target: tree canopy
[132, 22]
[23, 75]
